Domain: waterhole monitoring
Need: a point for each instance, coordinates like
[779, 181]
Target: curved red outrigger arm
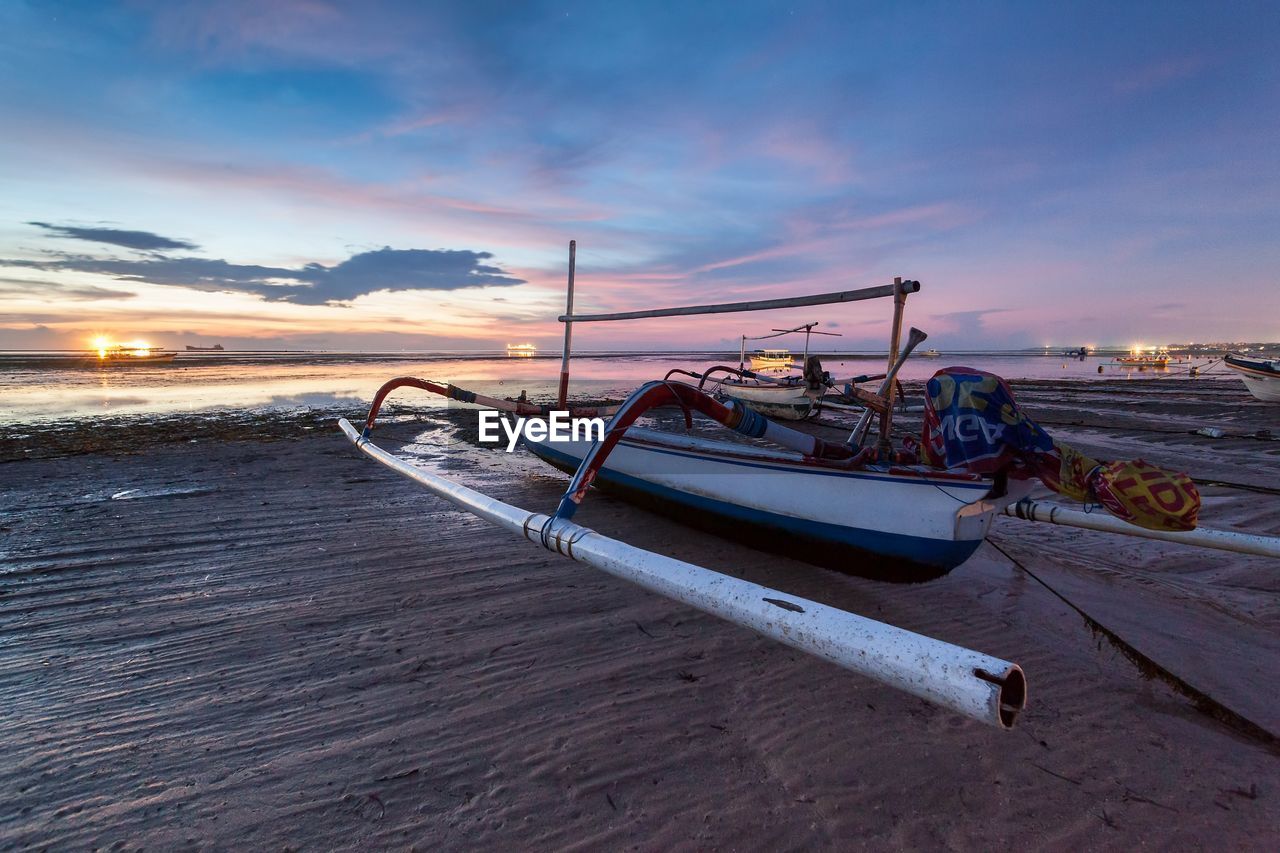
[462, 395]
[734, 415]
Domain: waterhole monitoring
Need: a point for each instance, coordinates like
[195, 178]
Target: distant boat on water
[132, 354]
[522, 350]
[771, 359]
[1145, 358]
[214, 348]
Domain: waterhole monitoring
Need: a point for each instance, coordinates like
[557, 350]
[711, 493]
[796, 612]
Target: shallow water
[42, 387]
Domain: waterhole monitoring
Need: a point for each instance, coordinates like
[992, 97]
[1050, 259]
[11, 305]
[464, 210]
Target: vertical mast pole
[742, 353]
[895, 338]
[562, 397]
[895, 335]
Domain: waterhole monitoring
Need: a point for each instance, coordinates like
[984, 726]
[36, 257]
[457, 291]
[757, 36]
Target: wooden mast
[562, 397]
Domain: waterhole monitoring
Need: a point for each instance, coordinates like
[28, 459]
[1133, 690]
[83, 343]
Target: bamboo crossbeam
[878, 292]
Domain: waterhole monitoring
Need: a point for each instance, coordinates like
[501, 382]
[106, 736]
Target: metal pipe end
[1011, 698]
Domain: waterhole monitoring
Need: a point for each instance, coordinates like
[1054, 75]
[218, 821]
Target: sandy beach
[262, 639]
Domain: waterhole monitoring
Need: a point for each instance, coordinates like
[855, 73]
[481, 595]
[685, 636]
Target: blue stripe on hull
[870, 553]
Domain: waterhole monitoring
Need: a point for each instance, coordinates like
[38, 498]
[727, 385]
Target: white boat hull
[1264, 388]
[1259, 377]
[786, 402]
[897, 524]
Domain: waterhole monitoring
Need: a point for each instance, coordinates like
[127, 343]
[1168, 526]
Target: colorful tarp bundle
[972, 422]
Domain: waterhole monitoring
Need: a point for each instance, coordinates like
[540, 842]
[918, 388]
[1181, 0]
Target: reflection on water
[31, 389]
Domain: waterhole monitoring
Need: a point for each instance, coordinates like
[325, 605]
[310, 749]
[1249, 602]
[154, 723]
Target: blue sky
[408, 175]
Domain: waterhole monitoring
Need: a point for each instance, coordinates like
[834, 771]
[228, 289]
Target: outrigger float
[859, 506]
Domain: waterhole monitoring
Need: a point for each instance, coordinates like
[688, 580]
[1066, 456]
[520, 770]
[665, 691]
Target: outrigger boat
[788, 397]
[1261, 375]
[859, 505]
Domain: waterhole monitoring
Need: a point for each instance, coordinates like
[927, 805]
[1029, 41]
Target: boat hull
[1262, 380]
[785, 402]
[899, 527]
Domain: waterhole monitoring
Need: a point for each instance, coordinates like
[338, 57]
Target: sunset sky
[408, 175]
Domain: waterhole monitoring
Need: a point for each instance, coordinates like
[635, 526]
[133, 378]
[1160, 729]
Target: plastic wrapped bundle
[972, 422]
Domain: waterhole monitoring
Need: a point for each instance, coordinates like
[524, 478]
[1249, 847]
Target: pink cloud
[1155, 75]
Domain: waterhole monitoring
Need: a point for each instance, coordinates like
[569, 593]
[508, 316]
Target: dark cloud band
[144, 241]
[384, 269]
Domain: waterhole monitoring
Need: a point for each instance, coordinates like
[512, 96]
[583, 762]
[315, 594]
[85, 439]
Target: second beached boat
[1261, 376]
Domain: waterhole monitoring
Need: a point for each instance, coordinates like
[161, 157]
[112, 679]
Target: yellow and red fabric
[973, 422]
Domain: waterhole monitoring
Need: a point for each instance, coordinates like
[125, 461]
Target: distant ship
[214, 348]
[525, 350]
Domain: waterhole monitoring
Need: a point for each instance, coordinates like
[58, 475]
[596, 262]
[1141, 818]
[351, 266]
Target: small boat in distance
[134, 354]
[931, 353]
[521, 350]
[771, 359]
[1140, 357]
[214, 348]
[769, 387]
[1261, 375]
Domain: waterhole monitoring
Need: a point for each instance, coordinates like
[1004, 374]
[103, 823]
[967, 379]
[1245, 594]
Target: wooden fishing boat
[790, 398]
[853, 505]
[1261, 376]
[788, 401]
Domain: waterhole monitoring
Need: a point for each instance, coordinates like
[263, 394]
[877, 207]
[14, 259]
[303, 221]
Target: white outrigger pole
[1201, 537]
[977, 685]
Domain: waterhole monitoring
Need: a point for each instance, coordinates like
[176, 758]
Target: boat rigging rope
[1203, 702]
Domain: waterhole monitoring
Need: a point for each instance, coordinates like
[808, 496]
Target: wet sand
[279, 643]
